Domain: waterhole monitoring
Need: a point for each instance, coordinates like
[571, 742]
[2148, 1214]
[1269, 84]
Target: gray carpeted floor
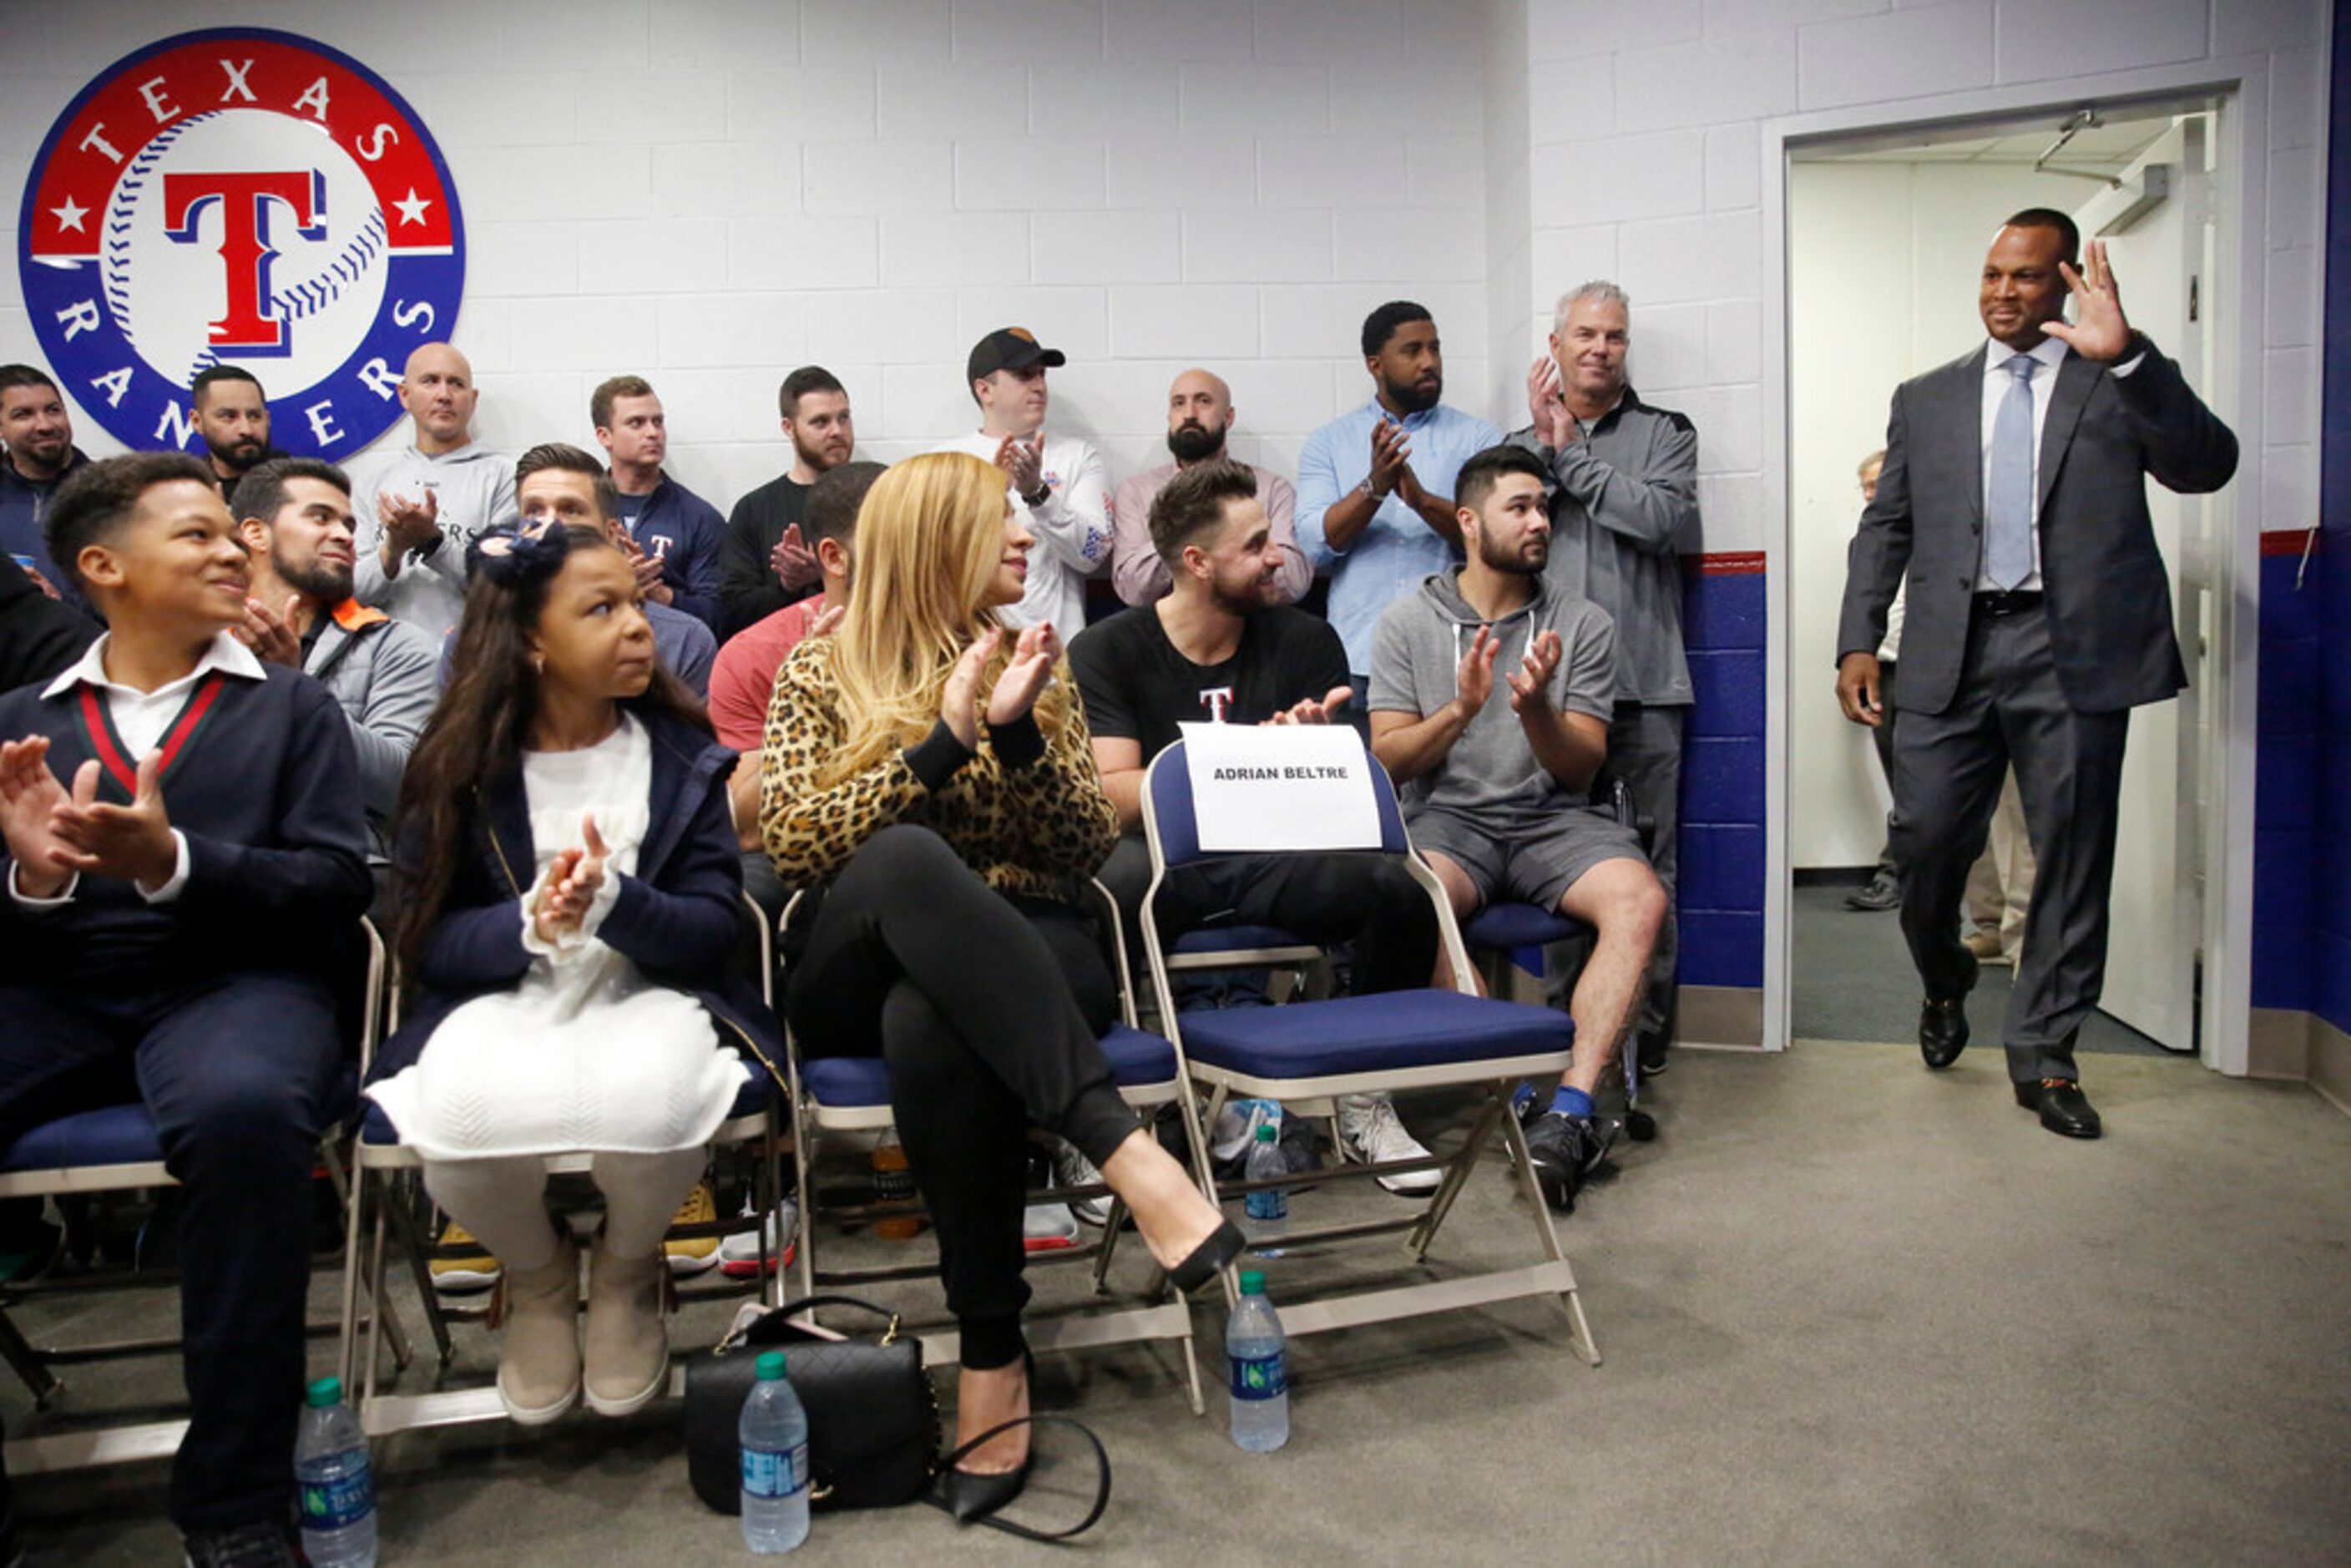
[1853, 1312]
[1853, 980]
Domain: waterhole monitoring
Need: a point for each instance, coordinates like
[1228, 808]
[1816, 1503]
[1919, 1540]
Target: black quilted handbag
[874, 1416]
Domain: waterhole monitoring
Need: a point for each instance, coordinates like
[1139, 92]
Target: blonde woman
[928, 776]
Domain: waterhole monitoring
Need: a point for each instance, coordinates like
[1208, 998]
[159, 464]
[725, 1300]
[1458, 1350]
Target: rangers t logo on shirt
[239, 196]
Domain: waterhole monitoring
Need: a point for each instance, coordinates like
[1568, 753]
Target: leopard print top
[1028, 830]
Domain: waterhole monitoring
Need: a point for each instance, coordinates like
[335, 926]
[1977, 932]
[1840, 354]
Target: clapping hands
[573, 881]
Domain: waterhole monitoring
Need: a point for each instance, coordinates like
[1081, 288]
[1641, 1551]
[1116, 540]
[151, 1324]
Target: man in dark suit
[2039, 616]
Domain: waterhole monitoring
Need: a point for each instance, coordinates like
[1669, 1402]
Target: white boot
[538, 1349]
[627, 1345]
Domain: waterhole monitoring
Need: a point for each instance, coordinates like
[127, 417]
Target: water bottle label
[339, 1503]
[1267, 1203]
[1260, 1376]
[770, 1473]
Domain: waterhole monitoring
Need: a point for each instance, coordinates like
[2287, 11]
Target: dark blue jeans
[238, 1071]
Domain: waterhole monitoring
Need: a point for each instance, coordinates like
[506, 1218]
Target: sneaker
[1071, 1168]
[258, 1545]
[1883, 893]
[1566, 1149]
[1985, 945]
[690, 1255]
[1368, 1125]
[738, 1254]
[461, 1274]
[1047, 1228]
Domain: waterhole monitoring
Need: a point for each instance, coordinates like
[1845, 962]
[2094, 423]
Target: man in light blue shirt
[1375, 486]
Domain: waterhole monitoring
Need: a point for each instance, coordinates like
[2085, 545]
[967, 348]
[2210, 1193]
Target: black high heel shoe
[1224, 1244]
[972, 1495]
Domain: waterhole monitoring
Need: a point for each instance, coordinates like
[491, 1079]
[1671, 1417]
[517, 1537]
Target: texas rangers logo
[243, 197]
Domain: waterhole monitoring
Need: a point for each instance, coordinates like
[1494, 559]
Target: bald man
[416, 510]
[1199, 415]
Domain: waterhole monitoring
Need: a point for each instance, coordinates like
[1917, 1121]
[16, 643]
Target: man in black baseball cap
[1058, 480]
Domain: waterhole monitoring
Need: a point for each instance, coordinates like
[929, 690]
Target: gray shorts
[1534, 865]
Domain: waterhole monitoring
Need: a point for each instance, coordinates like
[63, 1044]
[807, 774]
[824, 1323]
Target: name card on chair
[1280, 787]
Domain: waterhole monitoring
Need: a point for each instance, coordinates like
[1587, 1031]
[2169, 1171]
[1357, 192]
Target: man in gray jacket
[295, 516]
[1497, 796]
[418, 507]
[1624, 485]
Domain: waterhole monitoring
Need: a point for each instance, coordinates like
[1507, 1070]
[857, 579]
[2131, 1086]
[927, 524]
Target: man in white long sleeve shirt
[1056, 480]
[417, 508]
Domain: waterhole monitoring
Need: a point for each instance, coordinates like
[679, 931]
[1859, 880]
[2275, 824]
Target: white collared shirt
[142, 720]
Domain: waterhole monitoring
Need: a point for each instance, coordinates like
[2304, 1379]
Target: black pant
[237, 1071]
[1323, 898]
[1948, 769]
[986, 1012]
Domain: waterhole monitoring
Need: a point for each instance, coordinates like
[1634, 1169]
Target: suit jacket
[2108, 600]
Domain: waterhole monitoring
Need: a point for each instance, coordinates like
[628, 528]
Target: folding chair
[385, 1171]
[116, 1148]
[851, 1095]
[1386, 1042]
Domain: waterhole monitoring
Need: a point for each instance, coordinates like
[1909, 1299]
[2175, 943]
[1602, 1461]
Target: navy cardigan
[679, 917]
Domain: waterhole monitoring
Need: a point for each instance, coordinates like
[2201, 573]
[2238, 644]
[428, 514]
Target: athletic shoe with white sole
[465, 1273]
[1369, 1127]
[691, 1255]
[1071, 1168]
[738, 1254]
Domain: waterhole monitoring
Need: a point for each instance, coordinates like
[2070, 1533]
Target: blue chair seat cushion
[849, 1082]
[1386, 1032]
[757, 1091]
[125, 1134]
[1234, 938]
[1511, 925]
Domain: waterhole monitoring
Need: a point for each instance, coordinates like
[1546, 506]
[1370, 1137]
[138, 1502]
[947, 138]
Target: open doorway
[1887, 232]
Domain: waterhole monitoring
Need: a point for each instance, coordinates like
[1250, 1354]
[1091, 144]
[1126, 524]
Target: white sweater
[1072, 528]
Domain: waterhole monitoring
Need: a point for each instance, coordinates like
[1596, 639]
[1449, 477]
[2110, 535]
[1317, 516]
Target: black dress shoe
[1224, 1244]
[1942, 1029]
[969, 1495]
[2064, 1108]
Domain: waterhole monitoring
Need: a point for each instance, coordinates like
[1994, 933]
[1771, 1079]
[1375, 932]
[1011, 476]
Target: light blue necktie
[2008, 507]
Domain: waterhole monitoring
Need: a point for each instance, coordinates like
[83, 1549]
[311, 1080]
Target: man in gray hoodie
[1497, 795]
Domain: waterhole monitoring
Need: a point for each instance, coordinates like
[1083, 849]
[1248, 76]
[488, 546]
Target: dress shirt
[142, 719]
[1996, 379]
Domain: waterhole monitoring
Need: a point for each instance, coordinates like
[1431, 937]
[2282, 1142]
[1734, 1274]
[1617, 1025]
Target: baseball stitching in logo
[186, 212]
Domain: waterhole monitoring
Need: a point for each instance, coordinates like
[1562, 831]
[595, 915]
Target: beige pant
[2000, 884]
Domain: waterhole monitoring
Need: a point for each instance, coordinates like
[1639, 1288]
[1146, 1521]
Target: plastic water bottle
[337, 1483]
[774, 1435]
[1260, 1363]
[1266, 1208]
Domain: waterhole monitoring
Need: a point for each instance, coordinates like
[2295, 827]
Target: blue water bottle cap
[325, 1392]
[1252, 1282]
[769, 1366]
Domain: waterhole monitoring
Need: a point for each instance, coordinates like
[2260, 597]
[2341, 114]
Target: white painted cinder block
[2289, 488]
[724, 179]
[652, 106]
[2244, 26]
[1723, 77]
[1574, 100]
[878, 177]
[722, 32]
[1020, 31]
[799, 103]
[803, 251]
[1328, 30]
[1170, 30]
[653, 255]
[1194, 172]
[2297, 197]
[1668, 346]
[1444, 170]
[2290, 397]
[2038, 40]
[927, 404]
[731, 329]
[1027, 173]
[525, 184]
[1658, 174]
[1564, 29]
[1124, 99]
[1732, 510]
[2297, 98]
[942, 250]
[1292, 99]
[1566, 257]
[1442, 244]
[1734, 342]
[1729, 423]
[1445, 94]
[1074, 321]
[1231, 247]
[582, 333]
[1714, 258]
[1341, 171]
[1734, 172]
[892, 327]
[2290, 300]
[832, 32]
[1895, 55]
[950, 97]
[553, 35]
[463, 110]
[1187, 321]
[521, 260]
[1107, 247]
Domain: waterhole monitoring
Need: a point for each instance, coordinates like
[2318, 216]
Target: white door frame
[2226, 1013]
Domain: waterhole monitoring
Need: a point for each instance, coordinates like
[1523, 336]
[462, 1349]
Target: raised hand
[794, 564]
[408, 525]
[1473, 681]
[2102, 334]
[647, 568]
[1316, 711]
[1033, 657]
[1391, 448]
[1024, 460]
[573, 878]
[959, 702]
[1547, 403]
[828, 621]
[132, 842]
[1530, 681]
[29, 796]
[271, 636]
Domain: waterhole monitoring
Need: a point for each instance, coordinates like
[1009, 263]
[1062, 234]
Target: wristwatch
[1044, 493]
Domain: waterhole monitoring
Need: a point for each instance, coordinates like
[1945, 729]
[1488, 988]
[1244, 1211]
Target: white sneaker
[1368, 1125]
[1071, 1168]
[1047, 1228]
[738, 1254]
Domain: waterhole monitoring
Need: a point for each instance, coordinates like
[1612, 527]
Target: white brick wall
[710, 191]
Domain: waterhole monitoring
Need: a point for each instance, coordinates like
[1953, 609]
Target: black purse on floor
[874, 1416]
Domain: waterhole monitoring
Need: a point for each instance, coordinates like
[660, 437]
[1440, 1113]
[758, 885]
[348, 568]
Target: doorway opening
[1886, 232]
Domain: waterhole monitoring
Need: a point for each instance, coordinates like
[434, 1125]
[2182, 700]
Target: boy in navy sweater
[186, 861]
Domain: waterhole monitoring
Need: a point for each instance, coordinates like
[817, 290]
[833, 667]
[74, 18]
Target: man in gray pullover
[1623, 486]
[417, 508]
[1497, 794]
